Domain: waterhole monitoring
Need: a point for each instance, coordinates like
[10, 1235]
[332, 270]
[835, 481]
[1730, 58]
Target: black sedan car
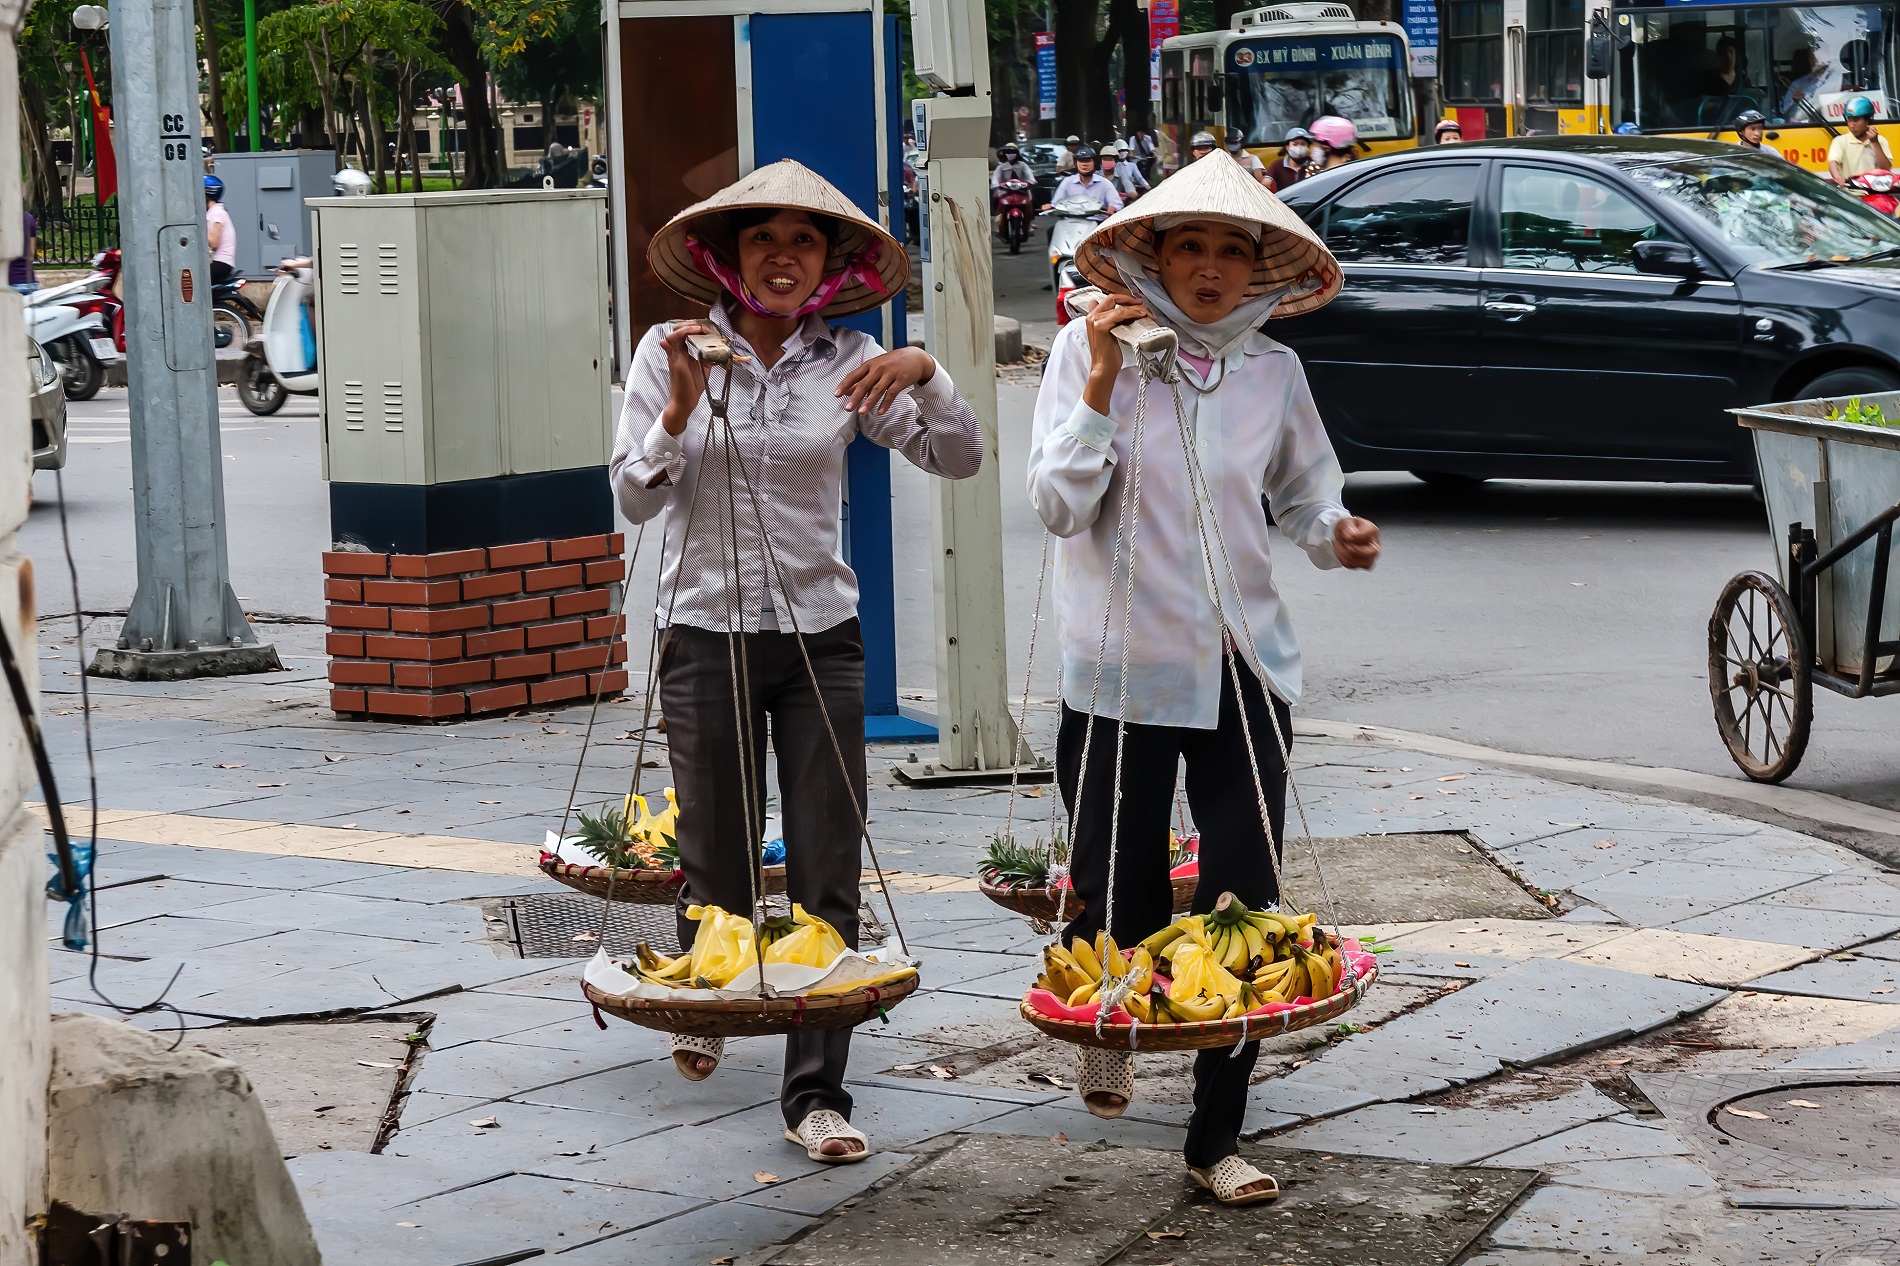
[1587, 307]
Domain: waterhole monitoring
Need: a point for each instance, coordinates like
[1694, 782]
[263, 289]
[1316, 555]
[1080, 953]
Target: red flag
[105, 167]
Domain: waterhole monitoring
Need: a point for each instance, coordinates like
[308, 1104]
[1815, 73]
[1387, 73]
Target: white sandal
[819, 1128]
[688, 1050]
[1100, 1072]
[1228, 1175]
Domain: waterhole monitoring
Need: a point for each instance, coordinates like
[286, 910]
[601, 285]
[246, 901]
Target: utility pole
[976, 733]
[184, 620]
[254, 138]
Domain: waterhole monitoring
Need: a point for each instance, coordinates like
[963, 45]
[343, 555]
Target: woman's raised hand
[878, 382]
[685, 375]
[1105, 350]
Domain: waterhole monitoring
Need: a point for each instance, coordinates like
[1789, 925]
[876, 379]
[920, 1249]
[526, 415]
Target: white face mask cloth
[1213, 341]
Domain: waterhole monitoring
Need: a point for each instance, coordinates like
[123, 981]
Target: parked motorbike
[80, 343]
[1073, 219]
[281, 360]
[98, 291]
[1876, 189]
[1012, 199]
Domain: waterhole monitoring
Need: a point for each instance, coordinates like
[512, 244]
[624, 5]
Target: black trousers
[718, 847]
[1220, 791]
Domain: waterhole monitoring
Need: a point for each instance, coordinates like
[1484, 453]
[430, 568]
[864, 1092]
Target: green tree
[553, 65]
[51, 84]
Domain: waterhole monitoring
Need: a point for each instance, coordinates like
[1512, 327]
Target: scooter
[80, 343]
[282, 360]
[1012, 198]
[1074, 219]
[1875, 188]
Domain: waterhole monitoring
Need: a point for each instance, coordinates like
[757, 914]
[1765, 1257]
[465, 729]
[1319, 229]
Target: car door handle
[1510, 311]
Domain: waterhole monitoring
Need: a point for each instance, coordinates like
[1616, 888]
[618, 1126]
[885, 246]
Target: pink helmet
[1334, 132]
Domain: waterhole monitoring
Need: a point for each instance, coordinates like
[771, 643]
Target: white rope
[1022, 721]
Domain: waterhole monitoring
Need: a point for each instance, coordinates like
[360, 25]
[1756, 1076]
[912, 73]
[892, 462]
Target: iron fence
[70, 237]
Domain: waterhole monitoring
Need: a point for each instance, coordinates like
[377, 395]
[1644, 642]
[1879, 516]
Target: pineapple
[1008, 864]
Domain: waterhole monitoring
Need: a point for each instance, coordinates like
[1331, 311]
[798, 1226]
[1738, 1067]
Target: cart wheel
[1760, 677]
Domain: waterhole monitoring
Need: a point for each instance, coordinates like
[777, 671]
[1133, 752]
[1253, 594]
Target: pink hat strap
[860, 267]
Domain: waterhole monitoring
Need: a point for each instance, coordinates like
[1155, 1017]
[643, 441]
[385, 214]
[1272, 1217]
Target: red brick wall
[436, 636]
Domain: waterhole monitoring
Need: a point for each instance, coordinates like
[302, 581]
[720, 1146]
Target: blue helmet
[214, 189]
[1627, 129]
[1859, 108]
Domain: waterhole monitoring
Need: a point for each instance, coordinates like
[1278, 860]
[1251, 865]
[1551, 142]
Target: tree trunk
[1004, 64]
[481, 159]
[409, 121]
[326, 91]
[1082, 103]
[374, 118]
[1134, 36]
[214, 88]
[42, 188]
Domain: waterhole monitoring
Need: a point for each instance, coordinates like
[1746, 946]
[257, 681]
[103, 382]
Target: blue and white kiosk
[701, 92]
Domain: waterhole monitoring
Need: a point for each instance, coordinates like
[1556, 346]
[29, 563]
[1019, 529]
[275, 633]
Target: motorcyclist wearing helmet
[1085, 183]
[1202, 145]
[220, 232]
[1448, 132]
[1066, 160]
[1858, 150]
[1290, 167]
[1750, 127]
[1337, 138]
[1010, 166]
[1123, 172]
[1249, 161]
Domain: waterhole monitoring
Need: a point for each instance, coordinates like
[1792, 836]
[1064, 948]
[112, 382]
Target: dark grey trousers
[815, 797]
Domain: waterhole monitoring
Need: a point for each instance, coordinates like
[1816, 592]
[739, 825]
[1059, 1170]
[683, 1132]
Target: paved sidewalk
[1636, 959]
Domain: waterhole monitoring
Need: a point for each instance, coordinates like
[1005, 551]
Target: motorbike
[233, 314]
[98, 291]
[1012, 199]
[281, 360]
[1073, 219]
[80, 343]
[1876, 189]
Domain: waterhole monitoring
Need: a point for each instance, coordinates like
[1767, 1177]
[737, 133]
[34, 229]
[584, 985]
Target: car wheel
[1855, 380]
[1445, 481]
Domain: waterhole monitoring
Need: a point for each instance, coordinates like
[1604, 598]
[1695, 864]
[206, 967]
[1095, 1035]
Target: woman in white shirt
[752, 580]
[1211, 254]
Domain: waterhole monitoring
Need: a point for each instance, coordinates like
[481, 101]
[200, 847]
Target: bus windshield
[1287, 82]
[1697, 66]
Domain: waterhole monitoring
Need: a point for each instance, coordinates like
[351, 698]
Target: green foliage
[1861, 414]
[608, 835]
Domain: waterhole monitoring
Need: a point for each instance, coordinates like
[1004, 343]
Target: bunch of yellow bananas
[804, 939]
[657, 829]
[1220, 965]
[722, 949]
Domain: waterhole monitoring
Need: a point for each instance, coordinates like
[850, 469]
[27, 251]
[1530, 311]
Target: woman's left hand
[1356, 543]
[877, 383]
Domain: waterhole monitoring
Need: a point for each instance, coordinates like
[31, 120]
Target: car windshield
[1045, 154]
[1771, 212]
[1276, 84]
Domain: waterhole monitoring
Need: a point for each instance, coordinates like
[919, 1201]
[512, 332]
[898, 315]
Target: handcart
[1832, 488]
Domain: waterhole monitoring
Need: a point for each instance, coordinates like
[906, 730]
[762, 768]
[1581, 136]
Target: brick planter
[432, 637]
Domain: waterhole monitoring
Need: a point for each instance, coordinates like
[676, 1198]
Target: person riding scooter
[1860, 149]
[1009, 166]
[1750, 127]
[1085, 183]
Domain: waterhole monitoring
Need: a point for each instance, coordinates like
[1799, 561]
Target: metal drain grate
[567, 925]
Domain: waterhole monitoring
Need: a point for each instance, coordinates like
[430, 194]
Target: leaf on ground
[1058, 1138]
[1802, 1103]
[765, 1176]
[942, 1072]
[488, 802]
[1604, 844]
[1034, 793]
[273, 784]
[333, 760]
[1734, 1111]
[374, 1063]
[1049, 1079]
[727, 1260]
[1424, 1112]
[409, 1224]
[236, 765]
[1880, 991]
[1452, 778]
[1167, 1235]
[485, 1123]
[586, 936]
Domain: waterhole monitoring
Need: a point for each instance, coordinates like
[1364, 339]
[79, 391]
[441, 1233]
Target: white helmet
[351, 183]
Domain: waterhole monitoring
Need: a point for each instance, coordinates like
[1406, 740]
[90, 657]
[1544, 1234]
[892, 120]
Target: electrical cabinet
[265, 194]
[463, 335]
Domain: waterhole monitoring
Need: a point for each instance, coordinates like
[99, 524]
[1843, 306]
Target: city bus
[1281, 67]
[1688, 68]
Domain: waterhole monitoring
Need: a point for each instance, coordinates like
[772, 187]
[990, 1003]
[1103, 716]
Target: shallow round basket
[1204, 1036]
[635, 887]
[1040, 903]
[755, 1017]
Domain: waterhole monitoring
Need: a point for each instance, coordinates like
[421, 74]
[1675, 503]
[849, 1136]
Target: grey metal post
[184, 620]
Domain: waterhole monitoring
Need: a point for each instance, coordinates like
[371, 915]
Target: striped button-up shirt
[792, 431]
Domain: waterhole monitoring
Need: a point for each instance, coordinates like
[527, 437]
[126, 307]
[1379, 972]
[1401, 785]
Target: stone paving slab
[1586, 1224]
[1448, 1136]
[1528, 1013]
[827, 1186]
[481, 1015]
[1621, 1137]
[1764, 920]
[1776, 1023]
[1880, 1053]
[1853, 894]
[1712, 960]
[1861, 979]
[1670, 891]
[516, 1213]
[710, 1233]
[496, 1070]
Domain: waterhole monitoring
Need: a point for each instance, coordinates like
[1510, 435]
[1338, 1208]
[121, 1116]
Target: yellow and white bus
[1682, 68]
[1281, 67]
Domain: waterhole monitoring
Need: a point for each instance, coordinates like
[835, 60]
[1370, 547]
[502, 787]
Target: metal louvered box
[462, 335]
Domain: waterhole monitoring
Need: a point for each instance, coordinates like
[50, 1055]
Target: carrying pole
[184, 620]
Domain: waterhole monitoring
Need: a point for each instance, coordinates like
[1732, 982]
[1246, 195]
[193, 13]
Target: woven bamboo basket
[1204, 1036]
[1040, 903]
[635, 887]
[756, 1017]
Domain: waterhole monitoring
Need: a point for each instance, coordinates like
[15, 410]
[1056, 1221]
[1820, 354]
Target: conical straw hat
[1290, 253]
[789, 185]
